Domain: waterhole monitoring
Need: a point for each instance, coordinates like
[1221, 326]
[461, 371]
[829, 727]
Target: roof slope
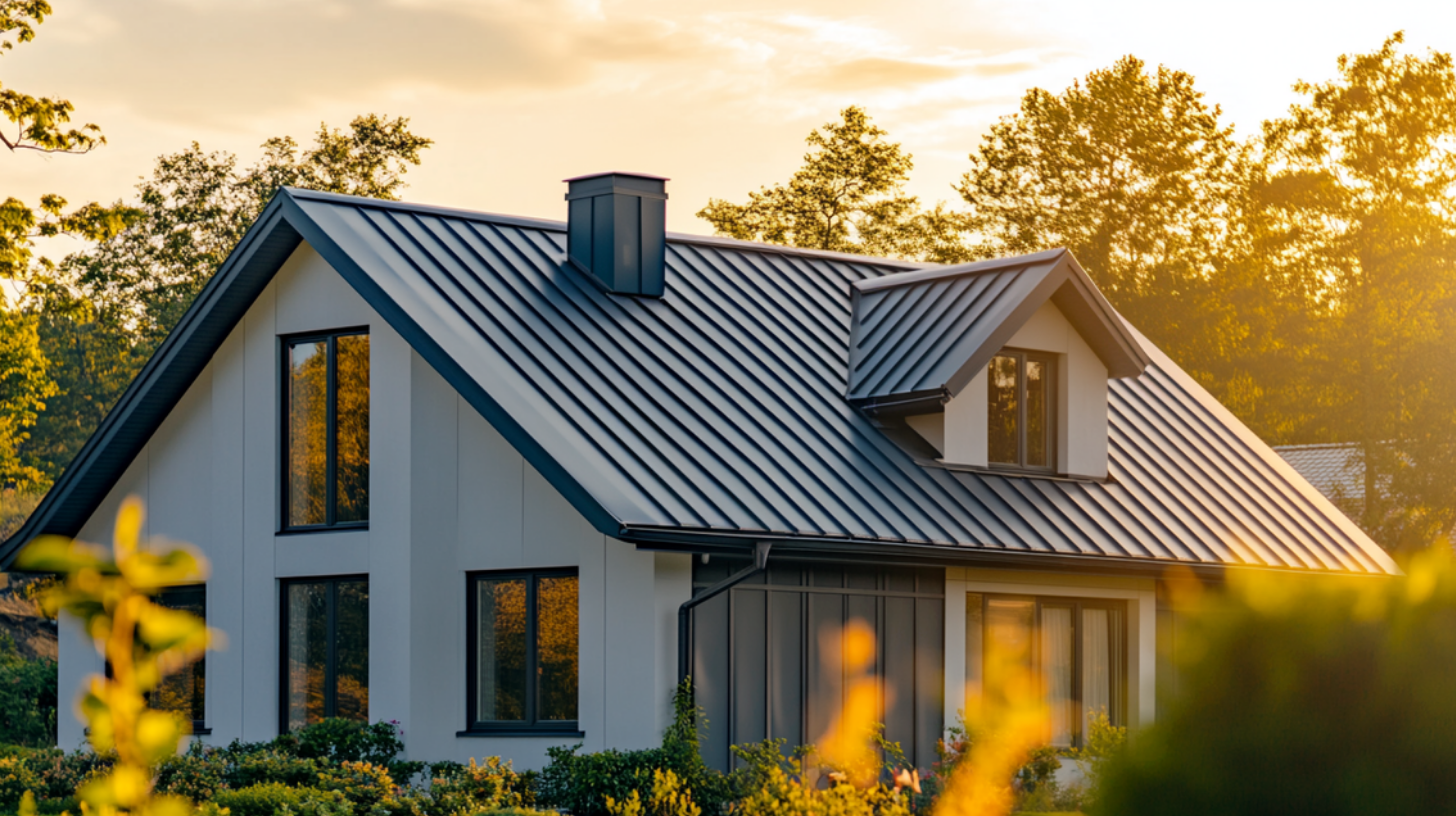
[921, 336]
[717, 414]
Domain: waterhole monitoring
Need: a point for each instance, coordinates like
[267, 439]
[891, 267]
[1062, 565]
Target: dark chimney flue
[616, 229]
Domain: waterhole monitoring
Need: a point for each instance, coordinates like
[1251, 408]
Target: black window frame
[1118, 713]
[331, 430]
[532, 725]
[331, 661]
[1022, 356]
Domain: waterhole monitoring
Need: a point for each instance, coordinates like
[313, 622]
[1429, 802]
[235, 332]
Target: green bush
[272, 798]
[489, 786]
[581, 783]
[16, 778]
[364, 784]
[1305, 695]
[27, 697]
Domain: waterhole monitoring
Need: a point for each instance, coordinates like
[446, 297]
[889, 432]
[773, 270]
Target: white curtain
[1097, 654]
[1056, 662]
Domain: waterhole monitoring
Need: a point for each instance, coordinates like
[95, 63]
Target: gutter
[684, 612]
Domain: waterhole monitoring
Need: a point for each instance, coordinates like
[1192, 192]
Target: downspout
[684, 636]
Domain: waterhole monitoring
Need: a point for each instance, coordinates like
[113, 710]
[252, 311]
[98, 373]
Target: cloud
[874, 73]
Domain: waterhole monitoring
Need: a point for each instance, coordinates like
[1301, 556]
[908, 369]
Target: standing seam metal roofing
[718, 412]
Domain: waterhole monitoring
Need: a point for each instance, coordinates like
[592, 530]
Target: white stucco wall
[960, 432]
[448, 495]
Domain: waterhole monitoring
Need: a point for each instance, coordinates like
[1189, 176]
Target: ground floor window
[325, 650]
[523, 631]
[184, 691]
[1076, 648]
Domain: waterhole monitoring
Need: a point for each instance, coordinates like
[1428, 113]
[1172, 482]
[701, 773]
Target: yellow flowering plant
[110, 593]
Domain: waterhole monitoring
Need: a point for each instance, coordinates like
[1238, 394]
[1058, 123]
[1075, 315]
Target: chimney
[616, 230]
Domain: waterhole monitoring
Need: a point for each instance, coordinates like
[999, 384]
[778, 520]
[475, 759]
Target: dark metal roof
[923, 335]
[717, 414]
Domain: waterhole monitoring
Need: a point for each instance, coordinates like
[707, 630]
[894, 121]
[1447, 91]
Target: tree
[1356, 193]
[111, 306]
[848, 197]
[1135, 174]
[40, 124]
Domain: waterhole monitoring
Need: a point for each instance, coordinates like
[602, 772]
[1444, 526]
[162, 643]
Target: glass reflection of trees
[184, 691]
[327, 471]
[526, 625]
[1019, 412]
[320, 681]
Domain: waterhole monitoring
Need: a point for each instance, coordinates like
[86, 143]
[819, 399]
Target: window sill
[520, 732]
[337, 528]
[1012, 473]
[200, 731]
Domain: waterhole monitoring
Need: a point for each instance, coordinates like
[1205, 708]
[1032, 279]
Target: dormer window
[1020, 428]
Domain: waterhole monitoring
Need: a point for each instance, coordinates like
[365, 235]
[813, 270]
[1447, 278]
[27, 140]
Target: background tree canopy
[1302, 275]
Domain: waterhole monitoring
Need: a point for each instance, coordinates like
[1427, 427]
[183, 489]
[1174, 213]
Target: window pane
[351, 651]
[1056, 665]
[556, 631]
[351, 448]
[1004, 414]
[975, 623]
[1007, 655]
[308, 647]
[1037, 430]
[307, 432]
[183, 690]
[502, 649]
[1096, 663]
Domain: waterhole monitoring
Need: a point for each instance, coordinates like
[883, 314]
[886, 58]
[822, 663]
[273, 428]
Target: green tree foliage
[1134, 173]
[848, 197]
[1303, 695]
[111, 306]
[39, 124]
[27, 698]
[1356, 195]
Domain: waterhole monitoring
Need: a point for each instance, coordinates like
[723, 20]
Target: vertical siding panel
[899, 651]
[225, 546]
[259, 646]
[826, 669]
[710, 676]
[750, 666]
[786, 664]
[929, 674]
[631, 690]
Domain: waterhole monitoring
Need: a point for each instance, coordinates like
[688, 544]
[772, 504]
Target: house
[470, 472]
[1336, 470]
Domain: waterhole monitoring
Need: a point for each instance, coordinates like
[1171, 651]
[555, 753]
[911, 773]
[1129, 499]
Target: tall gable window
[1020, 423]
[326, 430]
[523, 651]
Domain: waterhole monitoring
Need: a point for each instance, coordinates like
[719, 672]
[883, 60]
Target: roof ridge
[531, 222]
[972, 268]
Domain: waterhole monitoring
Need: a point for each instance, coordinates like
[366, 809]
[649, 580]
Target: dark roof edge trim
[731, 542]
[923, 274]
[195, 339]
[560, 226]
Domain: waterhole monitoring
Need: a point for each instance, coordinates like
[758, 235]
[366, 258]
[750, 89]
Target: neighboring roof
[1337, 470]
[716, 416]
[922, 336]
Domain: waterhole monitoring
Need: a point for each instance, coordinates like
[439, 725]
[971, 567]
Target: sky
[716, 95]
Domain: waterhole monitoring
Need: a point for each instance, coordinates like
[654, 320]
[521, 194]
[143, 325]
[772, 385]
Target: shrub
[364, 784]
[271, 798]
[581, 783]
[27, 697]
[492, 785]
[776, 793]
[1305, 694]
[197, 774]
[59, 774]
[16, 778]
[668, 798]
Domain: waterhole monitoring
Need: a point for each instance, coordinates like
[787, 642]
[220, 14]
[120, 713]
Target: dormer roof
[917, 338]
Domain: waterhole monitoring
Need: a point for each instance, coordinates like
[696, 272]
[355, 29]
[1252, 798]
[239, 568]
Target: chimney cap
[641, 185]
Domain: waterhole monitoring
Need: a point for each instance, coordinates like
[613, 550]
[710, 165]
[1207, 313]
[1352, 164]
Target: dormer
[1000, 365]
